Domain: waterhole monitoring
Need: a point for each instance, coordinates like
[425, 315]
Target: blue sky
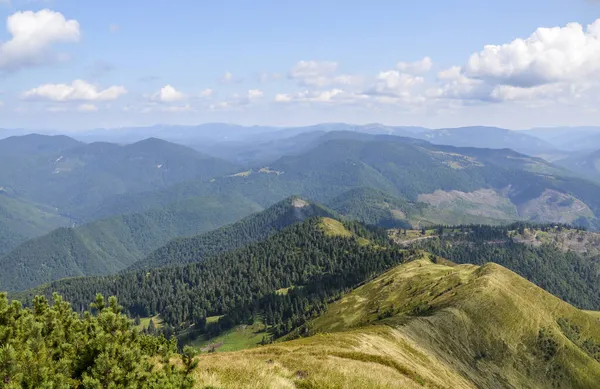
[78, 64]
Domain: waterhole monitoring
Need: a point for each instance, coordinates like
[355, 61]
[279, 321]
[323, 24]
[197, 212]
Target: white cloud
[167, 94]
[320, 74]
[394, 83]
[255, 94]
[570, 53]
[238, 100]
[78, 90]
[557, 65]
[207, 93]
[456, 85]
[87, 108]
[418, 67]
[313, 69]
[335, 95]
[222, 105]
[32, 36]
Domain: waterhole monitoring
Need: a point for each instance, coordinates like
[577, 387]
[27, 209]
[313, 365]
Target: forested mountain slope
[22, 220]
[248, 230]
[493, 185]
[322, 255]
[74, 177]
[109, 245]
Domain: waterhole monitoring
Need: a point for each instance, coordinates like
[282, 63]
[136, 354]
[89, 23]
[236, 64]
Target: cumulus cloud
[394, 83]
[454, 84]
[78, 90]
[418, 67]
[569, 53]
[167, 94]
[33, 35]
[313, 69]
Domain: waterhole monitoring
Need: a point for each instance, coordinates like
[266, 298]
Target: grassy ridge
[427, 324]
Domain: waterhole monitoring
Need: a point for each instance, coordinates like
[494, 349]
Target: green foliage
[50, 346]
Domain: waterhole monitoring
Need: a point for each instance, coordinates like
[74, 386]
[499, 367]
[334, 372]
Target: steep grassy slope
[248, 230]
[427, 324]
[109, 245]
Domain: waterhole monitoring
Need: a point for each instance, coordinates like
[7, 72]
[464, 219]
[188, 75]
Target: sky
[79, 64]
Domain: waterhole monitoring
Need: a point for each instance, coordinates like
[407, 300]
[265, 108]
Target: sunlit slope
[428, 324]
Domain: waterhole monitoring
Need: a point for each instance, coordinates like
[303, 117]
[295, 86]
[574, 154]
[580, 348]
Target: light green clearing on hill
[239, 338]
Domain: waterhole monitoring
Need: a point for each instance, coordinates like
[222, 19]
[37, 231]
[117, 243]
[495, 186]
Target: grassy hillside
[248, 230]
[564, 263]
[427, 324]
[109, 245]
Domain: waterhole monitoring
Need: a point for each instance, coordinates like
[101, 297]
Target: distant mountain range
[72, 177]
[224, 139]
[128, 200]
